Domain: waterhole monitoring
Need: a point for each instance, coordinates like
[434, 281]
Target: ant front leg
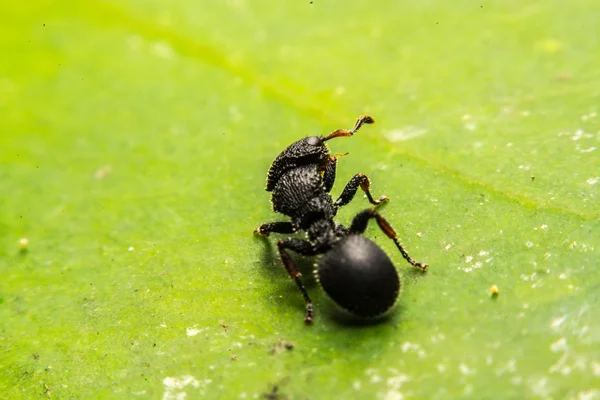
[329, 174]
[362, 181]
[302, 247]
[360, 222]
[277, 227]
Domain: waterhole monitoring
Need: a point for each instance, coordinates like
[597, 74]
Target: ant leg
[359, 224]
[351, 187]
[329, 174]
[302, 247]
[277, 227]
[364, 119]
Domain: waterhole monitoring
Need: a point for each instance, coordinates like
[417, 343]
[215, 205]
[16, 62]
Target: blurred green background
[135, 137]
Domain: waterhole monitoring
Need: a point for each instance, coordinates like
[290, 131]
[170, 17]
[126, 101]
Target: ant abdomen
[359, 277]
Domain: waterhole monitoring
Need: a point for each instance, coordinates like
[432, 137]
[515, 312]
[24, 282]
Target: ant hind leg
[360, 222]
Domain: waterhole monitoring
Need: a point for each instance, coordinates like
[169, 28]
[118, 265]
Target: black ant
[354, 272]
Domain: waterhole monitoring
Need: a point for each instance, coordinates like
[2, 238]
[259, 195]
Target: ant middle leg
[302, 247]
[362, 181]
[277, 227]
[360, 222]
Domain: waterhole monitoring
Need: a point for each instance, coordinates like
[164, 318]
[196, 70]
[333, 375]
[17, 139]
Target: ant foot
[423, 266]
[261, 231]
[383, 199]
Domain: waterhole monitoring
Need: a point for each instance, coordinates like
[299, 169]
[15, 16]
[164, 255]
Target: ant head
[359, 277]
[310, 150]
[312, 147]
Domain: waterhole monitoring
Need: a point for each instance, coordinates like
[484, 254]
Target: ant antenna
[364, 119]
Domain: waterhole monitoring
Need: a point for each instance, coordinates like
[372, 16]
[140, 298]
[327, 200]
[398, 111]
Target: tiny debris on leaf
[280, 345]
[288, 345]
[102, 172]
[273, 394]
[23, 244]
[494, 290]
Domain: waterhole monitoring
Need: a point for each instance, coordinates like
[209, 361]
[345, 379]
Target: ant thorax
[322, 234]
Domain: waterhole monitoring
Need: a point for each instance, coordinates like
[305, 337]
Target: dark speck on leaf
[273, 395]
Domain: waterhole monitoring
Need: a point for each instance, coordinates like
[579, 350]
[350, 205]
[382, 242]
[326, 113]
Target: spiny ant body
[354, 272]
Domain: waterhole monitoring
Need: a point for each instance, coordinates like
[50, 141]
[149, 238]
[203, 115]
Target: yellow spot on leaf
[550, 46]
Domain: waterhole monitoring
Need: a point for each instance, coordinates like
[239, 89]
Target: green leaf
[135, 137]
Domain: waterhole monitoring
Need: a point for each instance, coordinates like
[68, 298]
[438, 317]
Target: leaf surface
[135, 137]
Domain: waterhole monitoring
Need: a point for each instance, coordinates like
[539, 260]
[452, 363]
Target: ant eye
[314, 140]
